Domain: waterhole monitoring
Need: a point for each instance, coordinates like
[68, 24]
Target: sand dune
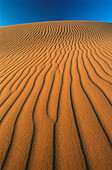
[56, 96]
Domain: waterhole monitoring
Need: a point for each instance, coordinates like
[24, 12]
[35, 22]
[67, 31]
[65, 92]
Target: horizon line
[55, 21]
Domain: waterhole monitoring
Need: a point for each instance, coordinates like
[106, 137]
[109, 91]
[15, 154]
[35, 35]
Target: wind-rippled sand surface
[56, 96]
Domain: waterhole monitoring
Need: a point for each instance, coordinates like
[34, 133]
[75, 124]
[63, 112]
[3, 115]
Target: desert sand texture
[56, 96]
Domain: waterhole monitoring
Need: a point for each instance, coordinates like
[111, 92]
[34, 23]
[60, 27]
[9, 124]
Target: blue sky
[28, 11]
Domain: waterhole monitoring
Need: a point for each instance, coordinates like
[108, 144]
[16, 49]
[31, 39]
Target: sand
[56, 96]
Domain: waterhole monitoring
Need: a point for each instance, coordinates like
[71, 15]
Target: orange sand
[56, 96]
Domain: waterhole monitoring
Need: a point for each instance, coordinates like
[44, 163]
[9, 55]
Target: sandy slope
[56, 96]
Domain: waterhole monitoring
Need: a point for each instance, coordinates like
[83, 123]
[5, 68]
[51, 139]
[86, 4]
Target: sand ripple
[56, 96]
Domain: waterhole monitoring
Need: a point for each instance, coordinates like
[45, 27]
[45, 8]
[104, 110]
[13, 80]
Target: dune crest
[56, 96]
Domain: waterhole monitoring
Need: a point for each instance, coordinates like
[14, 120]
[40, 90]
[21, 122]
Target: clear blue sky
[28, 11]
